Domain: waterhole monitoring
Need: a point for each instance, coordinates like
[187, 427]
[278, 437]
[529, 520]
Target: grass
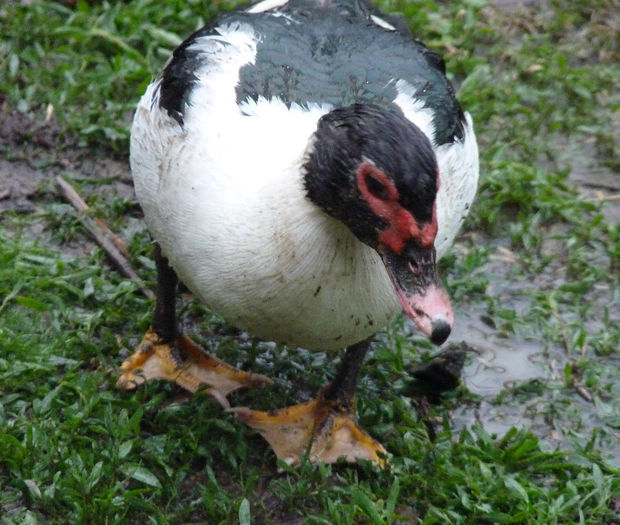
[538, 264]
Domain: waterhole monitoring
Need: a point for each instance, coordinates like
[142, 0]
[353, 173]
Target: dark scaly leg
[341, 391]
[323, 427]
[165, 315]
[164, 353]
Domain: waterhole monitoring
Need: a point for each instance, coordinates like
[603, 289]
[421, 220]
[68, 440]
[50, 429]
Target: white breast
[224, 198]
[239, 231]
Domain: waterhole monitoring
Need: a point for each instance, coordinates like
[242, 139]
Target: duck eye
[377, 188]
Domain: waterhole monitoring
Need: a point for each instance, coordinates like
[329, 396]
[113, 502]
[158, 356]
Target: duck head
[376, 172]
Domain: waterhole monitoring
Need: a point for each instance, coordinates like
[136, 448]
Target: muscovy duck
[301, 165]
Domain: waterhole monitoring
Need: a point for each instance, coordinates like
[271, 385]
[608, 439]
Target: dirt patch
[595, 180]
[34, 153]
[18, 185]
[19, 178]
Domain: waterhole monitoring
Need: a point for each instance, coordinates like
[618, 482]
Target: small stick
[5, 194]
[99, 233]
[614, 197]
[80, 205]
[583, 393]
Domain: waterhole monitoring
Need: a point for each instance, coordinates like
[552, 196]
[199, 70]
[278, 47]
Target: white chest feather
[241, 234]
[224, 198]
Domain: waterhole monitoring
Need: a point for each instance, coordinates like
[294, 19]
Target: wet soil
[33, 153]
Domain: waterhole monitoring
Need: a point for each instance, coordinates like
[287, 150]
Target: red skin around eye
[401, 224]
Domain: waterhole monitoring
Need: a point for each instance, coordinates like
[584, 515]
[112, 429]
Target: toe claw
[219, 397]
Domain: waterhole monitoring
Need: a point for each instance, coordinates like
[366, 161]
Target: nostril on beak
[440, 330]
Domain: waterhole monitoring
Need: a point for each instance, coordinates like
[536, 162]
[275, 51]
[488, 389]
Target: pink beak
[414, 275]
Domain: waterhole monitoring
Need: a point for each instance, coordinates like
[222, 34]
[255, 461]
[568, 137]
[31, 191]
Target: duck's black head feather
[348, 136]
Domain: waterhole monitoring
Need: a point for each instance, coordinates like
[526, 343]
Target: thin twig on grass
[108, 240]
[602, 197]
[80, 205]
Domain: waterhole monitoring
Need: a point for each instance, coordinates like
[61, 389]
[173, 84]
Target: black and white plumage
[286, 161]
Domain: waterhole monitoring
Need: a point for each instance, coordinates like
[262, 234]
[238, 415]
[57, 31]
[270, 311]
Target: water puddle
[521, 383]
[500, 363]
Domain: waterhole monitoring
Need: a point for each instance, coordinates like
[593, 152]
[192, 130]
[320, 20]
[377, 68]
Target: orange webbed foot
[317, 428]
[185, 363]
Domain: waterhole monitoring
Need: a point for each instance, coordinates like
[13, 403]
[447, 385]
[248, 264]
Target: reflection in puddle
[499, 362]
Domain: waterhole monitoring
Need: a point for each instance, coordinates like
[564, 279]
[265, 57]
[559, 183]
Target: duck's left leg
[324, 427]
[165, 353]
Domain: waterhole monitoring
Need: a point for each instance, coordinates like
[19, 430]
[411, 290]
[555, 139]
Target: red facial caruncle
[402, 226]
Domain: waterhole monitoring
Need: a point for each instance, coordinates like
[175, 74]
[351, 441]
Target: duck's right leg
[165, 353]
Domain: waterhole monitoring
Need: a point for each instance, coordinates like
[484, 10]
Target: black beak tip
[440, 330]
